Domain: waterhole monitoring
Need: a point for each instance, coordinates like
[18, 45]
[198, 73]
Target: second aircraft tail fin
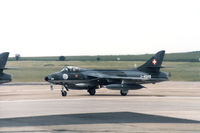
[3, 60]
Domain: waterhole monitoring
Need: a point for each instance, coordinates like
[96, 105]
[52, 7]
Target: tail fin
[153, 65]
[3, 60]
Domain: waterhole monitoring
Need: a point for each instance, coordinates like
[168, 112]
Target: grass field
[35, 71]
[181, 57]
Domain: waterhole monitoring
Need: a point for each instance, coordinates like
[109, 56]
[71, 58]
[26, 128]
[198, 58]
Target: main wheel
[123, 93]
[92, 92]
[63, 93]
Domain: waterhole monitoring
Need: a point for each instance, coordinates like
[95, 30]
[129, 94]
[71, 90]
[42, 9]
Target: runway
[164, 107]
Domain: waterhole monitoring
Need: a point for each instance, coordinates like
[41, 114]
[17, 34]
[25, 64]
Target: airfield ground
[164, 107]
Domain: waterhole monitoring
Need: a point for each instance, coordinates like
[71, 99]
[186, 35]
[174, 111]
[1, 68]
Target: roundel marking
[65, 76]
[154, 61]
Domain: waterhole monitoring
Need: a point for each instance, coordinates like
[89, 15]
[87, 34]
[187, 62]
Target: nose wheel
[63, 92]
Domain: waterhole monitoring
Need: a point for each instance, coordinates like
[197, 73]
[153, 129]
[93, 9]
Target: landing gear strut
[63, 92]
[51, 86]
[123, 93]
[92, 91]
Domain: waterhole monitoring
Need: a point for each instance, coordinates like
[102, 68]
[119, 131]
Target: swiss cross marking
[154, 61]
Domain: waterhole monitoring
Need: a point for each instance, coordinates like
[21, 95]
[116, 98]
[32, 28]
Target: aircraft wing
[106, 76]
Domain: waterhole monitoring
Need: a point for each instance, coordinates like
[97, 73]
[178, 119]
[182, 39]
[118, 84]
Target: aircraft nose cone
[46, 78]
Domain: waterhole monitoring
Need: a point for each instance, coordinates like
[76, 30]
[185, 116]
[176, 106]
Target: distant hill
[185, 57]
[180, 57]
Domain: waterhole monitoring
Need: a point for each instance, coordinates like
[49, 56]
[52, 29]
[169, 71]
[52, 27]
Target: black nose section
[46, 78]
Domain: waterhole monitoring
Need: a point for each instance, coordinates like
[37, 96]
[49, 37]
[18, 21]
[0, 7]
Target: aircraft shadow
[129, 95]
[90, 118]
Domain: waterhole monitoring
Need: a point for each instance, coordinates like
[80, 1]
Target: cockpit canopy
[70, 69]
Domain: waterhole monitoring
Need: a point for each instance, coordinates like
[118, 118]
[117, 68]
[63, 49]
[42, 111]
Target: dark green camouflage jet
[123, 80]
[4, 78]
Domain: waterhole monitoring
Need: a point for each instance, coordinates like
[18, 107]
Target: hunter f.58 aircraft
[4, 78]
[123, 80]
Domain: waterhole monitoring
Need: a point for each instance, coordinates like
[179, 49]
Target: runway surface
[164, 107]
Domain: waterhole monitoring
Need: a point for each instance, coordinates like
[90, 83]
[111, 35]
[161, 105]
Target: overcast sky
[98, 27]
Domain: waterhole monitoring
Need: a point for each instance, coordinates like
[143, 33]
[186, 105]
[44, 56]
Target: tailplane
[153, 65]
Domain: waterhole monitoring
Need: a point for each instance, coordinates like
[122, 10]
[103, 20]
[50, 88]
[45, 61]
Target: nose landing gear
[51, 87]
[63, 92]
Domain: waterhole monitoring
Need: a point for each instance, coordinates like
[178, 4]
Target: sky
[98, 27]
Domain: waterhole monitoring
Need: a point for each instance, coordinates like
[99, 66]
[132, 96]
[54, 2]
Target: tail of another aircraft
[3, 60]
[153, 65]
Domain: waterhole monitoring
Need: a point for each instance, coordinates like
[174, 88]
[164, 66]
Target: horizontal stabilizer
[9, 68]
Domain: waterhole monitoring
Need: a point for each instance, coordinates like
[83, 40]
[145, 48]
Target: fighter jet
[124, 80]
[4, 78]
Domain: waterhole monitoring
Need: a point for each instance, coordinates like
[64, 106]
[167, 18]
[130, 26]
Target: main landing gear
[92, 91]
[124, 92]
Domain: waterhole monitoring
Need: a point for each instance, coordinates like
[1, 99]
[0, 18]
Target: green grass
[35, 71]
[184, 57]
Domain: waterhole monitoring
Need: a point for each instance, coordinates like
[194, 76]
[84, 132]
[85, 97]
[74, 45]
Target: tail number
[145, 76]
